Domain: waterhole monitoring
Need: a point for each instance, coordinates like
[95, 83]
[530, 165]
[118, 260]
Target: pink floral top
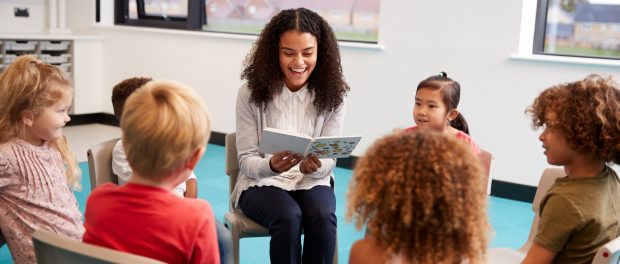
[34, 194]
[460, 135]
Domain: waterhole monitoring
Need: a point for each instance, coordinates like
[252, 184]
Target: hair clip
[443, 74]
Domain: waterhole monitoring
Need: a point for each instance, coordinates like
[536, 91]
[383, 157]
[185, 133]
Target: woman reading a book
[295, 83]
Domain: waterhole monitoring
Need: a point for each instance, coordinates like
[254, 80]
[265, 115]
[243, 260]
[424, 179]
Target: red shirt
[151, 222]
[460, 135]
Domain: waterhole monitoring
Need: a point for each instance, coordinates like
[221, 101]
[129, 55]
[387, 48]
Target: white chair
[487, 162]
[506, 255]
[50, 248]
[100, 163]
[609, 253]
[240, 225]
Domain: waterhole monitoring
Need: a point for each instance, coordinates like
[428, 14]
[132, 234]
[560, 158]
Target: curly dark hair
[124, 89]
[261, 66]
[587, 112]
[421, 195]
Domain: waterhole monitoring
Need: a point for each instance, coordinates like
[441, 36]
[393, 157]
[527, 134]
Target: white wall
[471, 40]
[35, 23]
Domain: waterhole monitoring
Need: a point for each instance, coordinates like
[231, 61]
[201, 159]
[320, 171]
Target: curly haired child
[37, 168]
[294, 82]
[120, 166]
[579, 212]
[436, 100]
[421, 195]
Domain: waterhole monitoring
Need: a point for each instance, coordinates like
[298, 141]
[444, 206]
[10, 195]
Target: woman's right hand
[284, 161]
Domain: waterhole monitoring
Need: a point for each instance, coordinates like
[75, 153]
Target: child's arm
[539, 255]
[191, 190]
[206, 245]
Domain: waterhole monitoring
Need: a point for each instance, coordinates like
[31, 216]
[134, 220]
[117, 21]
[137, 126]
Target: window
[179, 14]
[351, 20]
[579, 28]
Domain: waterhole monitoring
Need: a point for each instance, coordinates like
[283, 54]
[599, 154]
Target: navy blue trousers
[285, 213]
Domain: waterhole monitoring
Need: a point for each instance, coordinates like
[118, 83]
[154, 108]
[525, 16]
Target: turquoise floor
[511, 220]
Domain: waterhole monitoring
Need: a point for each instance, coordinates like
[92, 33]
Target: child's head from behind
[421, 195]
[34, 100]
[436, 101]
[164, 125]
[579, 118]
[305, 47]
[123, 90]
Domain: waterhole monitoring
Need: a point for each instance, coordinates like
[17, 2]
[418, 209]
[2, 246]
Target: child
[421, 195]
[165, 129]
[580, 212]
[37, 168]
[306, 93]
[436, 100]
[120, 166]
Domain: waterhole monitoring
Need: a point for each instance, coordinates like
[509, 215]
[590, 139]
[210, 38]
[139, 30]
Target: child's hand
[191, 188]
[283, 161]
[310, 165]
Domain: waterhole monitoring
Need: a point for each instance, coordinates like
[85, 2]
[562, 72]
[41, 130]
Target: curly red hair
[421, 196]
[587, 112]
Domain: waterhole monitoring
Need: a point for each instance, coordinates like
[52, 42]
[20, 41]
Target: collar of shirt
[301, 94]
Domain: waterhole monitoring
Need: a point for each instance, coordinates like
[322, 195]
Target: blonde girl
[37, 168]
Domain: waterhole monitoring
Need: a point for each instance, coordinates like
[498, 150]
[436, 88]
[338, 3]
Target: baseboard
[502, 189]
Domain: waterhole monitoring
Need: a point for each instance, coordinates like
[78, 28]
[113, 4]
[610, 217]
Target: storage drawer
[55, 45]
[47, 58]
[20, 45]
[66, 67]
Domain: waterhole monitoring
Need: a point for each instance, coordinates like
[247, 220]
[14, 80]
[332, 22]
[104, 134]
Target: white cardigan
[254, 169]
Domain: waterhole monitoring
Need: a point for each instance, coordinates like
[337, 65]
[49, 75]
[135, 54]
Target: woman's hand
[283, 161]
[309, 165]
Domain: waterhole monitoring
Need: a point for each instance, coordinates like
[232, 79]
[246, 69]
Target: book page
[333, 147]
[276, 140]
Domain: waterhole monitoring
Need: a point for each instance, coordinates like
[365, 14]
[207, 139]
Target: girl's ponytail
[460, 123]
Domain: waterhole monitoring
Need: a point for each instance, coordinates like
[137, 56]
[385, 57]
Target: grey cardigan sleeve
[251, 163]
[332, 127]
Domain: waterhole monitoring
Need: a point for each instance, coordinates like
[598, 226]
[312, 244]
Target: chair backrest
[100, 163]
[487, 160]
[51, 248]
[546, 180]
[609, 253]
[232, 162]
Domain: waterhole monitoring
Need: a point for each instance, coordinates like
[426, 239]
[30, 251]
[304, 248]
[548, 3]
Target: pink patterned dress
[34, 194]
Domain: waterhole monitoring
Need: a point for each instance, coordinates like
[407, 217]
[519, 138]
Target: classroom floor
[510, 220]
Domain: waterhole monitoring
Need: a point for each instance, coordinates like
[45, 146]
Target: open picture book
[275, 140]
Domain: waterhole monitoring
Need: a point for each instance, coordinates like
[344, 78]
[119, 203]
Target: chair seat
[504, 256]
[246, 226]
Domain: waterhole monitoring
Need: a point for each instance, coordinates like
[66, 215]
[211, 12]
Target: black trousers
[286, 213]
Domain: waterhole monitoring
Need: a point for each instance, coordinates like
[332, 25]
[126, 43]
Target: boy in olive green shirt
[580, 212]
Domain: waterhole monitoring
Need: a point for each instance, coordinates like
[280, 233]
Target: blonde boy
[165, 130]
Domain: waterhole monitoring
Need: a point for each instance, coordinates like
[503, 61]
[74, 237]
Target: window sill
[566, 60]
[342, 44]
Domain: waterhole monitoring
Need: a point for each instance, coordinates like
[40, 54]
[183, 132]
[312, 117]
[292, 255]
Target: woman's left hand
[309, 165]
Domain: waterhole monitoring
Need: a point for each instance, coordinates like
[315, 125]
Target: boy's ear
[452, 114]
[192, 162]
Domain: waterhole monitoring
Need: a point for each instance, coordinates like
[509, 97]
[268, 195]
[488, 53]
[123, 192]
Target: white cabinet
[79, 56]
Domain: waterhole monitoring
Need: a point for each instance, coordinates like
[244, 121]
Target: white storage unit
[54, 52]
[80, 56]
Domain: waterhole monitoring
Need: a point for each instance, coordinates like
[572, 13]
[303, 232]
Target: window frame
[540, 28]
[194, 20]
